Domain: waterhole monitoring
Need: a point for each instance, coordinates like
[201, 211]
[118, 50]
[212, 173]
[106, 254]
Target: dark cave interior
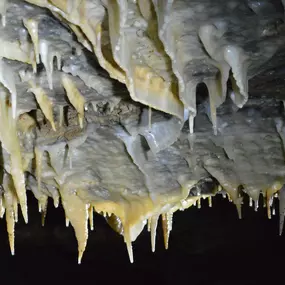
[207, 246]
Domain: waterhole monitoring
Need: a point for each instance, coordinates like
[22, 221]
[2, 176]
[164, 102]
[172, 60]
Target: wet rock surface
[134, 110]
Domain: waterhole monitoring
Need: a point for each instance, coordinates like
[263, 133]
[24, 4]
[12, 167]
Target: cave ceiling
[136, 109]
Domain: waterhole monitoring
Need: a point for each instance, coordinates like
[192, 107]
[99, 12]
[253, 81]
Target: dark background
[207, 246]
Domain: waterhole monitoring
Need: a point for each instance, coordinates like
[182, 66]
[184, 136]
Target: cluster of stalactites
[78, 213]
[140, 52]
[141, 48]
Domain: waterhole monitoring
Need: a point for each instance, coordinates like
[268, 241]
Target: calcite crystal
[135, 109]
